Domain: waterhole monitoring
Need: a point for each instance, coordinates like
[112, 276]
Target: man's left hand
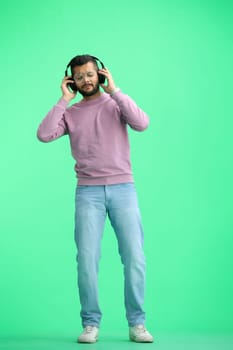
[110, 87]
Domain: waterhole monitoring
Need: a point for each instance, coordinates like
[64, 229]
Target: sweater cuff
[62, 103]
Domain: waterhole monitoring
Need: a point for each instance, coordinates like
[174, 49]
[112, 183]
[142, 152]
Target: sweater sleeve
[53, 125]
[130, 112]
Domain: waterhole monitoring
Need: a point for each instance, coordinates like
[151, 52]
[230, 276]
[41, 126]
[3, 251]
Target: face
[86, 79]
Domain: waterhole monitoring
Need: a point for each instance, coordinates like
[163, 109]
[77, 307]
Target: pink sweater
[98, 136]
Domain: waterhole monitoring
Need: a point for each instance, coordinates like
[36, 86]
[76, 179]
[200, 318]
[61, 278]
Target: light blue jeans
[92, 205]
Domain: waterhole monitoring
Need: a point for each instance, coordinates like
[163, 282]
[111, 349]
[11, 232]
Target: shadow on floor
[120, 341]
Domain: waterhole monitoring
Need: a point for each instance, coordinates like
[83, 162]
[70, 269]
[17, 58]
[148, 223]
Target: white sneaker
[139, 334]
[89, 335]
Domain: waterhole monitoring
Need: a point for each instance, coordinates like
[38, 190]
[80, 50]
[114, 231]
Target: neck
[92, 97]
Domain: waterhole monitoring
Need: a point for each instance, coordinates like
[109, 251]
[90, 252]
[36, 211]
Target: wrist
[66, 98]
[116, 89]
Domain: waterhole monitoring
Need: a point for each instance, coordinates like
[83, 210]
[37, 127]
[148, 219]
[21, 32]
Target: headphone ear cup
[73, 86]
[101, 78]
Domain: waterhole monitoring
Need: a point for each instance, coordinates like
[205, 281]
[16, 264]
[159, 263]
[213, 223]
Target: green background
[174, 58]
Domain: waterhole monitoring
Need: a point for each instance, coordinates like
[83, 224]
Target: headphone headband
[93, 57]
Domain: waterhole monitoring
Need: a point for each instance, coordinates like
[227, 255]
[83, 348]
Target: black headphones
[100, 76]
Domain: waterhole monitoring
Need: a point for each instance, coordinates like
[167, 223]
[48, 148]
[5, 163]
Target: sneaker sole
[141, 341]
[88, 341]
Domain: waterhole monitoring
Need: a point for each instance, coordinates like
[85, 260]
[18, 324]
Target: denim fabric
[92, 205]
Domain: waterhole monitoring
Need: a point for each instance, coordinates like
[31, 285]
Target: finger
[103, 70]
[102, 73]
[66, 81]
[67, 78]
[103, 86]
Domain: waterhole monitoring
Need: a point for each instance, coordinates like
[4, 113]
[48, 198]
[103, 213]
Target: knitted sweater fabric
[97, 129]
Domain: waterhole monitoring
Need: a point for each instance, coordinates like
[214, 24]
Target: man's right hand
[67, 94]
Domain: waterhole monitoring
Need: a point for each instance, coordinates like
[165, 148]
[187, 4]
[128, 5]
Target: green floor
[120, 341]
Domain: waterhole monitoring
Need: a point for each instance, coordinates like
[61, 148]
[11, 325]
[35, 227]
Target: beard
[93, 91]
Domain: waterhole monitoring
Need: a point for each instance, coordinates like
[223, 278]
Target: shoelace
[88, 329]
[141, 329]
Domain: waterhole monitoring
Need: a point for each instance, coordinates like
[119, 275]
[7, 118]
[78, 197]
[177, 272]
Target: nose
[86, 78]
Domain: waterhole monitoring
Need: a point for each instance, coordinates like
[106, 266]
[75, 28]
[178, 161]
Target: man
[97, 128]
